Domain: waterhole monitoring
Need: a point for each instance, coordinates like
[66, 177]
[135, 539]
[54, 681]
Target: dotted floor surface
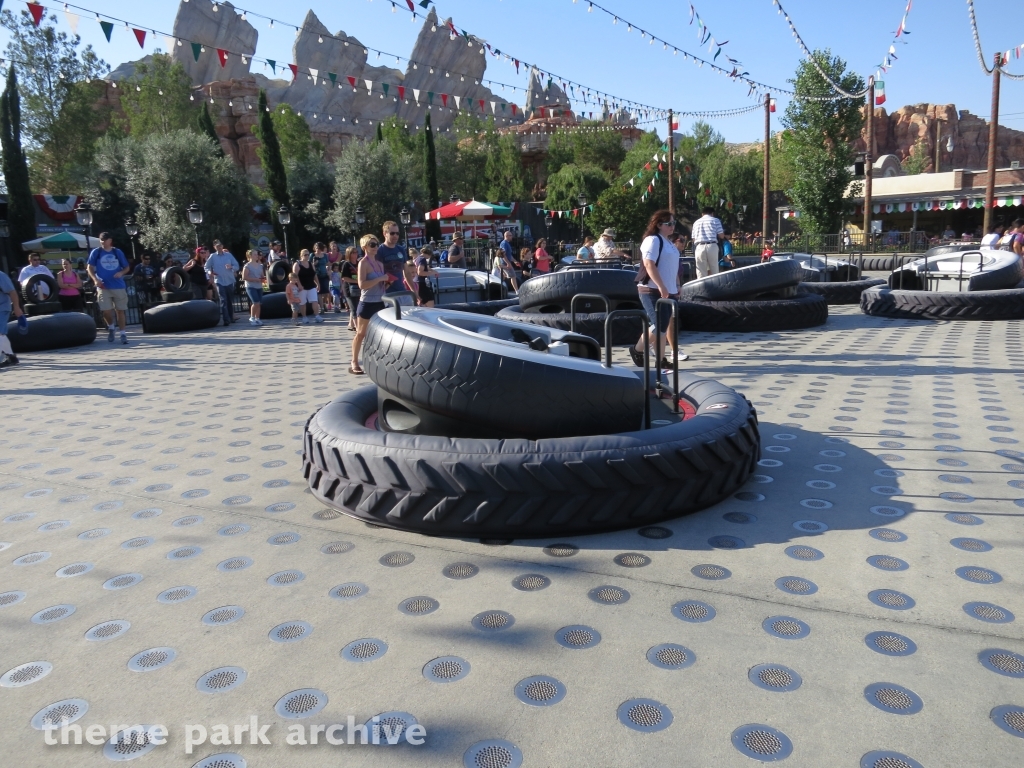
[858, 603]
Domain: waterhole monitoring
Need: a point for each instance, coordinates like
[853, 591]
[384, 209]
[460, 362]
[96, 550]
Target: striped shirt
[706, 229]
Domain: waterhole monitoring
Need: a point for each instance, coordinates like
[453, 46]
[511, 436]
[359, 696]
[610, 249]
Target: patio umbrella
[62, 241]
[474, 210]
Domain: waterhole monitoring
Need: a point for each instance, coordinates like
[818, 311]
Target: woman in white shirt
[661, 261]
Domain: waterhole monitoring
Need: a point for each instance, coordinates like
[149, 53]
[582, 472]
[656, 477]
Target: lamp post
[739, 218]
[360, 216]
[582, 202]
[195, 217]
[5, 232]
[132, 229]
[284, 215]
[83, 213]
[404, 218]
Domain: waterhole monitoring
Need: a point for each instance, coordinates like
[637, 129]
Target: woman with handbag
[658, 278]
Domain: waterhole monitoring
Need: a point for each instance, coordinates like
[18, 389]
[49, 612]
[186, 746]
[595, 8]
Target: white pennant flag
[492, 107]
[314, 73]
[721, 202]
[170, 41]
[458, 102]
[369, 86]
[72, 21]
[416, 95]
[631, 182]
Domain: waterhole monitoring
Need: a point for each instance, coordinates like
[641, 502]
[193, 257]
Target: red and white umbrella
[474, 210]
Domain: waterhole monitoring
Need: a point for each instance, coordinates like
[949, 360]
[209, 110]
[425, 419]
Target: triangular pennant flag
[140, 35]
[108, 27]
[37, 14]
[334, 78]
[444, 99]
[401, 93]
[411, 6]
[369, 86]
[771, 105]
[458, 102]
[73, 22]
[223, 56]
[416, 95]
[430, 97]
[514, 108]
[385, 87]
[493, 105]
[196, 49]
[352, 82]
[314, 73]
[481, 103]
[273, 65]
[170, 42]
[295, 71]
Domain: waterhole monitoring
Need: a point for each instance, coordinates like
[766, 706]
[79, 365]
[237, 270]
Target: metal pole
[671, 168]
[993, 135]
[869, 159]
[938, 136]
[767, 169]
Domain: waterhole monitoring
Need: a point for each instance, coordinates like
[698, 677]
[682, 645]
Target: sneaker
[110, 334]
[637, 357]
[295, 322]
[337, 311]
[318, 319]
[252, 321]
[124, 337]
[305, 321]
[8, 361]
[258, 321]
[227, 323]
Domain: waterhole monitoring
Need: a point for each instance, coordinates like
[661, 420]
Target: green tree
[735, 177]
[205, 123]
[269, 153]
[601, 149]
[156, 98]
[917, 161]
[476, 140]
[622, 210]
[433, 227]
[449, 173]
[507, 180]
[565, 187]
[60, 123]
[823, 133]
[293, 134]
[369, 174]
[105, 184]
[21, 215]
[380, 133]
[311, 188]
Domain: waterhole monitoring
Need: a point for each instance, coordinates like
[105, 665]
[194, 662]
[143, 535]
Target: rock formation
[213, 25]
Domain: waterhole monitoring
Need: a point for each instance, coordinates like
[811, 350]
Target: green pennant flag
[271, 62]
[196, 48]
[424, 3]
[334, 77]
[108, 27]
[430, 96]
[385, 86]
[503, 107]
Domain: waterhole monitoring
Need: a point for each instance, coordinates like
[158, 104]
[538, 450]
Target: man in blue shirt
[508, 253]
[222, 268]
[107, 267]
[395, 259]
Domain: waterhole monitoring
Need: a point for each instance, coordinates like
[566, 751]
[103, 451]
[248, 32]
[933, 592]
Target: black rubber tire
[59, 331]
[842, 293]
[997, 279]
[528, 489]
[175, 280]
[45, 308]
[1007, 304]
[877, 263]
[553, 292]
[275, 306]
[29, 289]
[743, 282]
[804, 311]
[624, 331]
[192, 315]
[176, 297]
[482, 307]
[494, 393]
[277, 276]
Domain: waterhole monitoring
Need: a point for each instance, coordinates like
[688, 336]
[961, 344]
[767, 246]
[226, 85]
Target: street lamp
[582, 202]
[454, 198]
[405, 218]
[195, 217]
[285, 217]
[132, 229]
[83, 212]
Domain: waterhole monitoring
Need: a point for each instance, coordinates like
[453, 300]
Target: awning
[63, 241]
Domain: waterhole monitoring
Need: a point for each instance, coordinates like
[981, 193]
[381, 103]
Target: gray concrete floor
[170, 456]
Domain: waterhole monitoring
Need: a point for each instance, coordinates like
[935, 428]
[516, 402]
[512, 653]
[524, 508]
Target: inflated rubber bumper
[469, 373]
[744, 282]
[43, 308]
[506, 488]
[175, 297]
[275, 306]
[945, 305]
[842, 292]
[624, 330]
[802, 311]
[40, 289]
[60, 331]
[194, 315]
[482, 307]
[553, 292]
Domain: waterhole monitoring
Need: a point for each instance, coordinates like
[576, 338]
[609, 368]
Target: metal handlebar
[395, 300]
[572, 306]
[638, 313]
[675, 355]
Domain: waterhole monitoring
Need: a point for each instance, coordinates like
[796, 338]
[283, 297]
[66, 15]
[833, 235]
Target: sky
[936, 62]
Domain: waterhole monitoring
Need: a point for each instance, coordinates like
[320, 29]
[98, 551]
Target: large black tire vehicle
[625, 330]
[43, 308]
[1007, 272]
[192, 315]
[842, 293]
[275, 306]
[803, 311]
[553, 292]
[744, 282]
[277, 276]
[59, 331]
[1006, 304]
[40, 289]
[530, 488]
[437, 363]
[491, 308]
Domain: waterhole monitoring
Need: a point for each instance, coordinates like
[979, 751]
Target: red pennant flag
[401, 92]
[352, 82]
[514, 108]
[444, 99]
[542, 111]
[37, 12]
[660, 168]
[481, 102]
[140, 35]
[295, 71]
[647, 166]
[771, 105]
[223, 56]
[517, 65]
[411, 6]
[675, 126]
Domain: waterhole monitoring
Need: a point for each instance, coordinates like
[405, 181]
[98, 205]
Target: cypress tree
[380, 133]
[270, 159]
[206, 126]
[433, 227]
[21, 214]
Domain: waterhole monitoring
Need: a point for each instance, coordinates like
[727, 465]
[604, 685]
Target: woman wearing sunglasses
[373, 282]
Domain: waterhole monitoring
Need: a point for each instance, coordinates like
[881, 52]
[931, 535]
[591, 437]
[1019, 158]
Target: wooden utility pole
[938, 136]
[869, 160]
[767, 169]
[671, 169]
[993, 135]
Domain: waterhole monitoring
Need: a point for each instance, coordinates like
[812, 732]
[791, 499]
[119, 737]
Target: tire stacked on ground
[277, 276]
[841, 292]
[57, 331]
[175, 286]
[1006, 304]
[191, 315]
[762, 297]
[38, 301]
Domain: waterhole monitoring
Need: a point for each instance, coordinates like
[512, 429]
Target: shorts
[310, 296]
[112, 298]
[336, 292]
[255, 294]
[366, 310]
[426, 292]
[297, 308]
[649, 301]
[324, 284]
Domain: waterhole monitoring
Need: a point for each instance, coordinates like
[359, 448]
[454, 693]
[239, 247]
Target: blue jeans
[227, 298]
[649, 300]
